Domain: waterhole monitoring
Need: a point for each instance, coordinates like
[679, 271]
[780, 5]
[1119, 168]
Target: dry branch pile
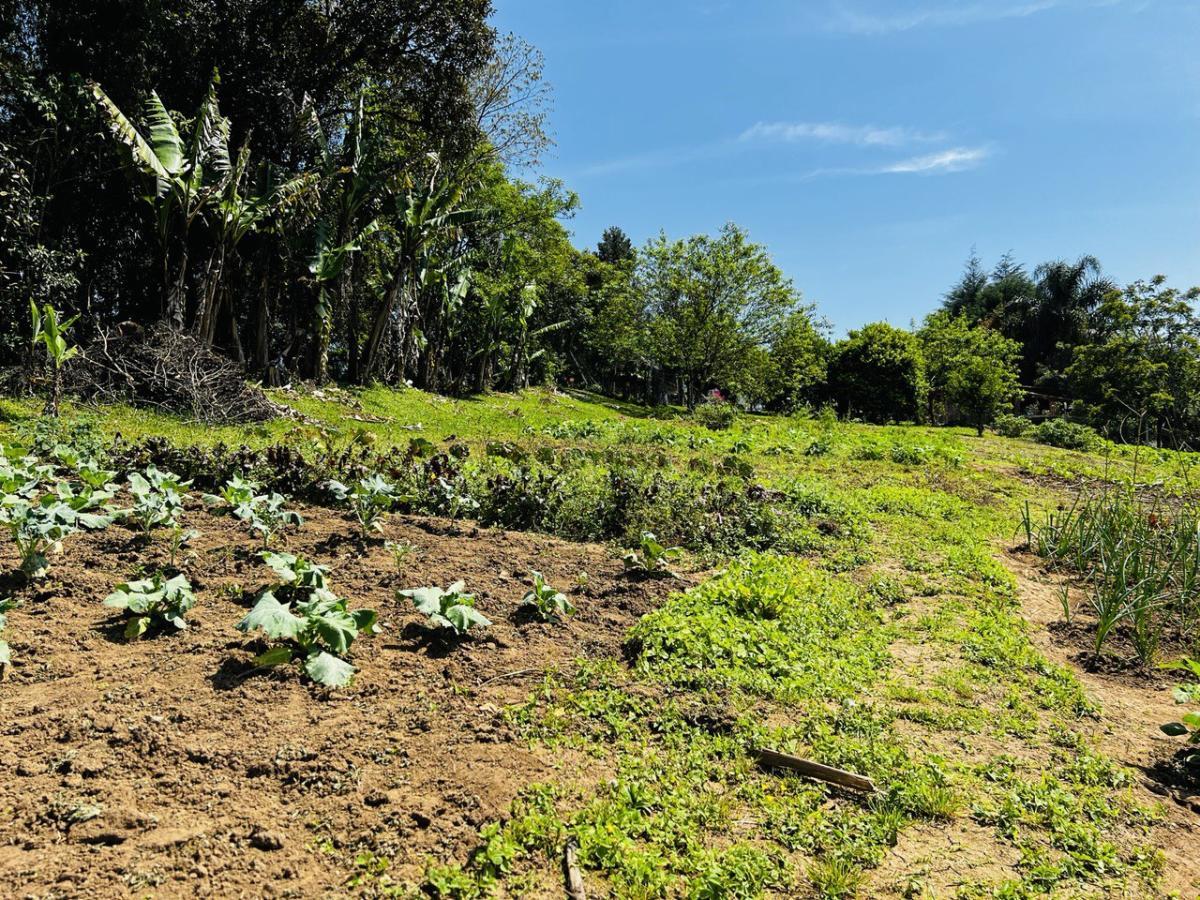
[170, 371]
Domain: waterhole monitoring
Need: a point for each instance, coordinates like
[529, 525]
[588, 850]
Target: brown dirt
[1133, 706]
[165, 767]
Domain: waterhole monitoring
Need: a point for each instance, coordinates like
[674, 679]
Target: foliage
[370, 499]
[878, 374]
[715, 414]
[1065, 434]
[39, 527]
[548, 604]
[1188, 724]
[263, 513]
[452, 609]
[1010, 426]
[51, 334]
[650, 555]
[157, 499]
[153, 602]
[305, 620]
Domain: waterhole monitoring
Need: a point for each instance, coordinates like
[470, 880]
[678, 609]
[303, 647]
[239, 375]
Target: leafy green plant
[1010, 426]
[307, 621]
[1066, 435]
[6, 606]
[550, 605]
[153, 603]
[715, 414]
[451, 608]
[1189, 723]
[265, 514]
[157, 499]
[51, 333]
[370, 499]
[402, 552]
[38, 528]
[650, 555]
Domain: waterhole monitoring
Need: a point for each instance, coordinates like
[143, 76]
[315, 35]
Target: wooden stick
[810, 769]
[572, 874]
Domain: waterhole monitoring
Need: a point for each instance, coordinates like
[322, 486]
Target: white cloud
[836, 133]
[956, 159]
[855, 20]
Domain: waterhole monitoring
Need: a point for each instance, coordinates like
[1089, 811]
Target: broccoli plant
[38, 528]
[547, 603]
[450, 608]
[153, 603]
[5, 650]
[263, 513]
[1188, 724]
[370, 499]
[650, 556]
[305, 620]
[157, 499]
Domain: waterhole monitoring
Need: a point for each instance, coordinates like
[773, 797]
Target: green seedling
[549, 604]
[370, 499]
[307, 621]
[451, 609]
[650, 556]
[153, 603]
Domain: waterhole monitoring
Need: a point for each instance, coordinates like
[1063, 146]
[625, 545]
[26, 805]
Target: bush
[1010, 426]
[716, 415]
[1067, 435]
[878, 374]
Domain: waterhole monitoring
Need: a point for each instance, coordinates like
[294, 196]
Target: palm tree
[1056, 317]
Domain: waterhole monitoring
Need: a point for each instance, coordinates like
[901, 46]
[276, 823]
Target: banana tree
[234, 213]
[356, 179]
[52, 334]
[186, 176]
[423, 214]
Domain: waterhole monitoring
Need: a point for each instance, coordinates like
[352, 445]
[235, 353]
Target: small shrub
[1010, 426]
[715, 415]
[157, 499]
[153, 603]
[548, 604]
[1066, 435]
[451, 609]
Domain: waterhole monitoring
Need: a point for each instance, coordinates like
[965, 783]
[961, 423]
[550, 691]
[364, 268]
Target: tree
[983, 375]
[799, 360]
[710, 300]
[964, 298]
[878, 374]
[615, 247]
[1054, 319]
[1138, 378]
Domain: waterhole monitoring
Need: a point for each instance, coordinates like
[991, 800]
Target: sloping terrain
[882, 625]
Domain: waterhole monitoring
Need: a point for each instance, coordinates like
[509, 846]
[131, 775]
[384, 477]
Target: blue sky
[871, 143]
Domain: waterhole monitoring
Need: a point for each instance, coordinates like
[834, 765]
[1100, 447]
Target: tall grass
[1139, 558]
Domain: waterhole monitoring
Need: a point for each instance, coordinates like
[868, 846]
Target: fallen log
[815, 770]
[572, 874]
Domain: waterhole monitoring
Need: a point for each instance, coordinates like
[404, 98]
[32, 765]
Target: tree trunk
[262, 323]
[379, 326]
[174, 300]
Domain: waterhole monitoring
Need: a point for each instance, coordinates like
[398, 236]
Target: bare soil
[1133, 705]
[169, 767]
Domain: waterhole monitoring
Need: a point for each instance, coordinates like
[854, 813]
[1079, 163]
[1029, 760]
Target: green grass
[883, 635]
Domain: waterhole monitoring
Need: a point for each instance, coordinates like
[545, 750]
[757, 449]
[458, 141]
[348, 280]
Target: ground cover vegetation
[880, 633]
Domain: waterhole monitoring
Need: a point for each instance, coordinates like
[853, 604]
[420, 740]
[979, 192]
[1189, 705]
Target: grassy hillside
[854, 598]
